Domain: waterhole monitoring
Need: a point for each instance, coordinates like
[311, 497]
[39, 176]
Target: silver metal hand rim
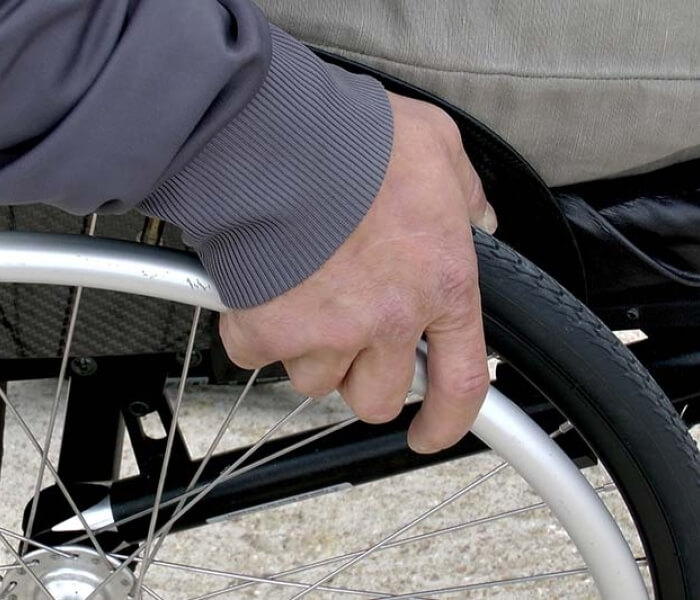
[69, 260]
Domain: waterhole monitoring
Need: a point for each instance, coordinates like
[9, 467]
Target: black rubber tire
[572, 358]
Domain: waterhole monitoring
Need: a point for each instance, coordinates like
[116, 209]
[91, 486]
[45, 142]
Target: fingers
[253, 341]
[374, 384]
[318, 374]
[378, 382]
[457, 384]
[458, 380]
[238, 346]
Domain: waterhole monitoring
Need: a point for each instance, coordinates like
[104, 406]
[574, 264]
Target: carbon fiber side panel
[33, 319]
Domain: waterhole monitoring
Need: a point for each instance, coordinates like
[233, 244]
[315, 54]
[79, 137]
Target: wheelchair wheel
[257, 511]
[573, 359]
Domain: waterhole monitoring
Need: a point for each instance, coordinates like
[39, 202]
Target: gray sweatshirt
[198, 112]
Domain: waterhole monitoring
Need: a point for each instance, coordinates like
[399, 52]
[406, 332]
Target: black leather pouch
[637, 232]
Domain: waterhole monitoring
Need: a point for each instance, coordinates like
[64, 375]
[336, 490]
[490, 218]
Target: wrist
[274, 193]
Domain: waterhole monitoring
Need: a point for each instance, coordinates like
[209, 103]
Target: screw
[632, 314]
[83, 365]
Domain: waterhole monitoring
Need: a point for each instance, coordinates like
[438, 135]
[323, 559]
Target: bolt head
[83, 366]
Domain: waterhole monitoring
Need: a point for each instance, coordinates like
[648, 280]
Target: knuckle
[398, 320]
[440, 119]
[243, 359]
[468, 385]
[310, 387]
[455, 278]
[438, 131]
[342, 340]
[313, 384]
[447, 129]
[238, 349]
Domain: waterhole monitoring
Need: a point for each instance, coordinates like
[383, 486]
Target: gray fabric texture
[299, 176]
[100, 99]
[584, 89]
[265, 156]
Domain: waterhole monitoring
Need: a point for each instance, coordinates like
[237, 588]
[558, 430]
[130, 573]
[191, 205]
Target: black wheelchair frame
[533, 219]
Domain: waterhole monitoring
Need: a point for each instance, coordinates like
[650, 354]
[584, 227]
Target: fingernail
[420, 447]
[488, 221]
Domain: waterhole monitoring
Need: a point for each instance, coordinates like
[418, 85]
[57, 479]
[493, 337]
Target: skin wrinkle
[334, 304]
[409, 267]
[317, 376]
[383, 397]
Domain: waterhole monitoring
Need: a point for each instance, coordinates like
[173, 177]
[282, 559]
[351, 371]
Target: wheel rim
[30, 258]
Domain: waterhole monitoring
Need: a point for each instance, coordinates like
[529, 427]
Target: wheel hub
[72, 577]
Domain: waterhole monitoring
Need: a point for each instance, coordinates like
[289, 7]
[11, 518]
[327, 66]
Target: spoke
[256, 580]
[220, 434]
[423, 536]
[562, 429]
[472, 587]
[641, 561]
[492, 518]
[473, 523]
[59, 482]
[168, 451]
[322, 588]
[232, 469]
[306, 441]
[12, 567]
[229, 472]
[19, 560]
[152, 593]
[27, 541]
[210, 452]
[57, 396]
[474, 484]
[291, 448]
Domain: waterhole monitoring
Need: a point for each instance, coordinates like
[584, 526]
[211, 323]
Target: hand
[408, 268]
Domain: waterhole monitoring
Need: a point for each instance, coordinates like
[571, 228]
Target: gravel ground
[282, 537]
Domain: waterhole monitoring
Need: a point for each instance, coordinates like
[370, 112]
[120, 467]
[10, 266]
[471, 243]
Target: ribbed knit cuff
[271, 196]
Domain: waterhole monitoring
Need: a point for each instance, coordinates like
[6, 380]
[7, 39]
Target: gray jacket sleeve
[200, 113]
